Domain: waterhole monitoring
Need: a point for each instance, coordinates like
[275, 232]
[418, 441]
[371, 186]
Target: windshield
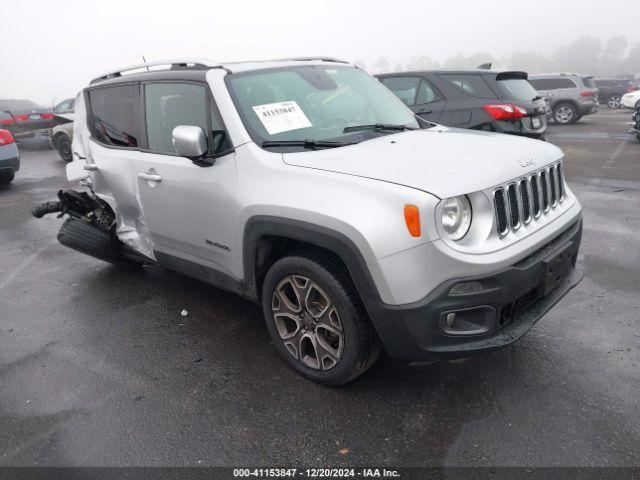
[517, 89]
[315, 103]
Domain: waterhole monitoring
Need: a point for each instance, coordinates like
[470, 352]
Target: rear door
[188, 208]
[113, 119]
[419, 94]
[467, 95]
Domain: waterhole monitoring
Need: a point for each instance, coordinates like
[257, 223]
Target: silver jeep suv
[308, 187]
[572, 95]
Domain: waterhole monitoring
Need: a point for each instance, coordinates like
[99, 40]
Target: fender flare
[339, 244]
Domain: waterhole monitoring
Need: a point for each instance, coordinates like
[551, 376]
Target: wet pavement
[98, 367]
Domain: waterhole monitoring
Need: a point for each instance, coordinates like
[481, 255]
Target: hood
[442, 161]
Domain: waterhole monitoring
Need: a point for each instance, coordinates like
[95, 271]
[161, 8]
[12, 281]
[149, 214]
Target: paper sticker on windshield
[281, 117]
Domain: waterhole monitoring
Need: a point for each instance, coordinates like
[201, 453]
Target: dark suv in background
[478, 99]
[611, 90]
[572, 95]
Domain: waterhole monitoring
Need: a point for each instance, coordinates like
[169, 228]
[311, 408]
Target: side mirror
[190, 141]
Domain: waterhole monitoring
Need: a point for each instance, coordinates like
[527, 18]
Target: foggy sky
[52, 48]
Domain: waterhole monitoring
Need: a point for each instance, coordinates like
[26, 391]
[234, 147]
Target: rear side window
[473, 85]
[552, 83]
[405, 88]
[412, 90]
[112, 120]
[168, 105]
[426, 93]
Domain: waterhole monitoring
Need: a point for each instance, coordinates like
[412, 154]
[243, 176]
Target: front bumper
[510, 303]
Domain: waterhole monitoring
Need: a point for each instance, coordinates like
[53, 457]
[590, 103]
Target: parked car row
[24, 118]
[477, 99]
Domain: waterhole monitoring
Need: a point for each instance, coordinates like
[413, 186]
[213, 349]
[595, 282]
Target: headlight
[456, 216]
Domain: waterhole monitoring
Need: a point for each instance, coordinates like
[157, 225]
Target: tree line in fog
[587, 55]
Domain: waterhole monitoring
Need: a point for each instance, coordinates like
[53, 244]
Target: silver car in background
[572, 96]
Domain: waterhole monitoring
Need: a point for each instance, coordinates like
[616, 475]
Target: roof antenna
[144, 60]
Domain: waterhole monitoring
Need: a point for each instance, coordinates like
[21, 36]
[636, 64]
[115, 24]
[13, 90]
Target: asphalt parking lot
[98, 367]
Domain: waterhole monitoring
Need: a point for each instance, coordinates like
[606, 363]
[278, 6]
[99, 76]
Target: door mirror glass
[190, 141]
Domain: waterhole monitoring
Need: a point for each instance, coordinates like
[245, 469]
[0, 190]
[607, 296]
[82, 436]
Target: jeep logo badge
[527, 163]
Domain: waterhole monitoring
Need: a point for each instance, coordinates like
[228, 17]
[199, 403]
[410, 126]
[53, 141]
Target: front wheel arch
[268, 238]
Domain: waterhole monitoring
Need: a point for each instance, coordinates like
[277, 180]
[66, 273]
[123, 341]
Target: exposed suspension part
[91, 228]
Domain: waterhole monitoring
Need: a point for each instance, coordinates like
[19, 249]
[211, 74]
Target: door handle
[149, 177]
[91, 167]
[424, 111]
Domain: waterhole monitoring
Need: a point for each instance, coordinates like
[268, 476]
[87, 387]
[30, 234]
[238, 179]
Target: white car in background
[631, 99]
[62, 135]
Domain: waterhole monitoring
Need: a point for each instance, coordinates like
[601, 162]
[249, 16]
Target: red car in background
[23, 118]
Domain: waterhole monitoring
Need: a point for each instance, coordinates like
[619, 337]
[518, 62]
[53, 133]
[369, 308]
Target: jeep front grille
[528, 198]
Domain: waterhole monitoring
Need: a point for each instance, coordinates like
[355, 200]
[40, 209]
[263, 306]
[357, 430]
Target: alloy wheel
[564, 114]
[614, 101]
[308, 322]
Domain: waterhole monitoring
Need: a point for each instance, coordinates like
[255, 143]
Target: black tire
[7, 178]
[565, 113]
[63, 146]
[360, 345]
[90, 240]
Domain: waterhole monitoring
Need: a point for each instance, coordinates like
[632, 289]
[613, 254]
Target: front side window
[113, 115]
[168, 105]
[542, 83]
[315, 103]
[564, 83]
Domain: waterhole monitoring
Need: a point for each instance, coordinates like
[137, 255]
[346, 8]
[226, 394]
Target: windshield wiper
[309, 144]
[378, 126]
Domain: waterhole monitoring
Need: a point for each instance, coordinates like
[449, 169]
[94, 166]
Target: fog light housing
[468, 321]
[466, 288]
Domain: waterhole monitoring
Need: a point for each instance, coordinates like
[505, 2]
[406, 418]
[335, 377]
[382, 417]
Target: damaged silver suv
[307, 186]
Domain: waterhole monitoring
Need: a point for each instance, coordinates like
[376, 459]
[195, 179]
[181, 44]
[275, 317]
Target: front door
[188, 208]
